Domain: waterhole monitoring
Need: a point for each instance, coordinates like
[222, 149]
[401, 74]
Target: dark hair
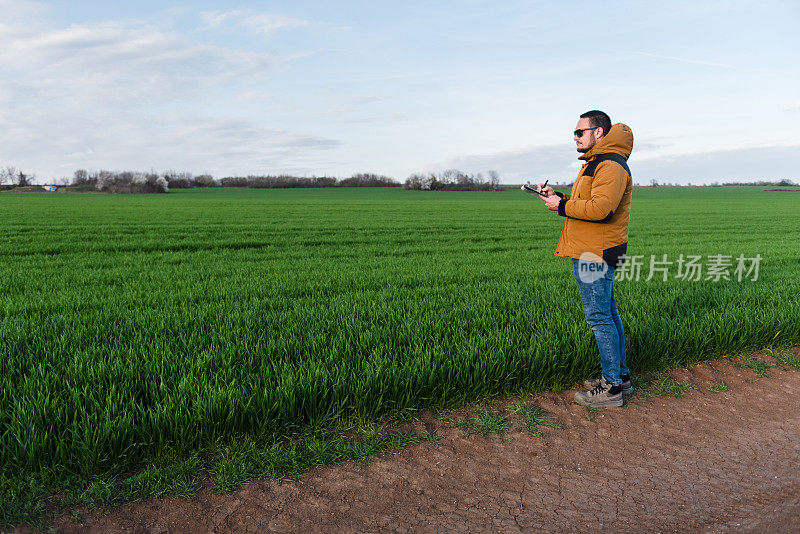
[598, 119]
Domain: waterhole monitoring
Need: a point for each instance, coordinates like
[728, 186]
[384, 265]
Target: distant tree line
[152, 182]
[781, 183]
[276, 182]
[120, 182]
[287, 181]
[186, 180]
[136, 182]
[454, 180]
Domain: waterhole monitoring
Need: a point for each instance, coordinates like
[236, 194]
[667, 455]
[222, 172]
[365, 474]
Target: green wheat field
[135, 328]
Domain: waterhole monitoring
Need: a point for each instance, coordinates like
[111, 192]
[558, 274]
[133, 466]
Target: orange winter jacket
[598, 209]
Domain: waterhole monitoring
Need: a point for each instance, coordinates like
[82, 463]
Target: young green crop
[132, 326]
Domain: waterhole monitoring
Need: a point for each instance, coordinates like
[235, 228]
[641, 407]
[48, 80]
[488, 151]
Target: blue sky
[710, 89]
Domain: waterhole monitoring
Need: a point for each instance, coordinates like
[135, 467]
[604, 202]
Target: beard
[592, 142]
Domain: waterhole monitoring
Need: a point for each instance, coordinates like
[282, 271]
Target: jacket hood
[618, 141]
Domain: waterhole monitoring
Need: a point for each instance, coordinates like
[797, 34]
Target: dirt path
[705, 462]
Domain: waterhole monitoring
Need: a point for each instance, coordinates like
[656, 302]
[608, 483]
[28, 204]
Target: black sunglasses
[579, 133]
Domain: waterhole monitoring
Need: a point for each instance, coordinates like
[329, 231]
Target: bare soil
[705, 462]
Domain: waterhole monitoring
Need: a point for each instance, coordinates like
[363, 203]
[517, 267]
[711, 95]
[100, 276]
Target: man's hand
[546, 190]
[551, 201]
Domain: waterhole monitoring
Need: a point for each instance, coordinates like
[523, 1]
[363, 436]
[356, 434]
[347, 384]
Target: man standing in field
[595, 236]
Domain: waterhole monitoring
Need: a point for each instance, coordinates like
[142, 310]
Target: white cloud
[18, 9]
[131, 94]
[351, 112]
[253, 95]
[366, 99]
[333, 112]
[386, 118]
[686, 60]
[181, 142]
[115, 60]
[262, 22]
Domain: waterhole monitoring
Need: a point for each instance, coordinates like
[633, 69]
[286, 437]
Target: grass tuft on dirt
[662, 387]
[534, 417]
[789, 359]
[755, 364]
[717, 387]
[491, 423]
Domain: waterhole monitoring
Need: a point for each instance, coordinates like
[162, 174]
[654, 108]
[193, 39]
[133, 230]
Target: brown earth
[706, 462]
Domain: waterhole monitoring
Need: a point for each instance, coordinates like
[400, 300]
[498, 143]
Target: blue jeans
[596, 282]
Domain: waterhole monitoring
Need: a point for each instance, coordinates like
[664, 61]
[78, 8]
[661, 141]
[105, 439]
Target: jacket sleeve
[608, 186]
[564, 196]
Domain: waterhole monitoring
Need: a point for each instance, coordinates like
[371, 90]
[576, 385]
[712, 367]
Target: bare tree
[454, 180]
[80, 177]
[8, 173]
[494, 180]
[368, 180]
[204, 180]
